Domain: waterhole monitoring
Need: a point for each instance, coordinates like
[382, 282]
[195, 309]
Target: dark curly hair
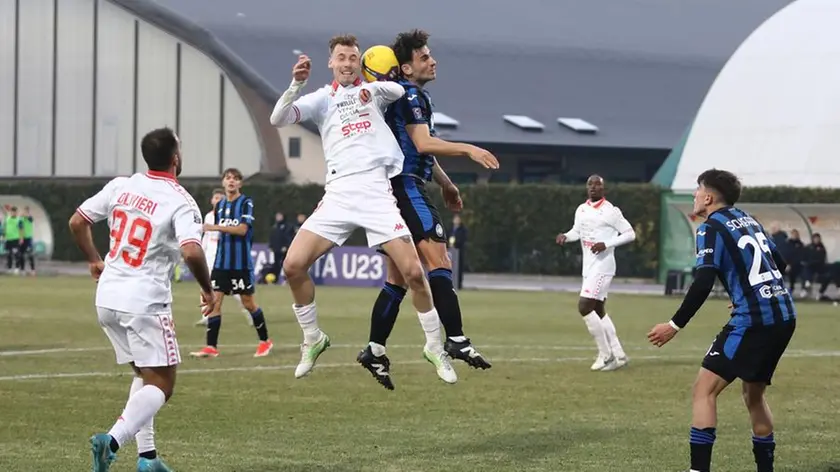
[408, 42]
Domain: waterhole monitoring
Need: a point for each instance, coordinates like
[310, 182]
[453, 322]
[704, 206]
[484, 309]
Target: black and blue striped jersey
[736, 246]
[234, 252]
[413, 108]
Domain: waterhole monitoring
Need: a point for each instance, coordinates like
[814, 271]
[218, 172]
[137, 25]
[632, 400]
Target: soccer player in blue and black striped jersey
[233, 270]
[410, 119]
[733, 247]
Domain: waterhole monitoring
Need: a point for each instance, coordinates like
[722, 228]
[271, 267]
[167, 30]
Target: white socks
[146, 436]
[612, 337]
[377, 349]
[307, 316]
[596, 329]
[430, 321]
[142, 406]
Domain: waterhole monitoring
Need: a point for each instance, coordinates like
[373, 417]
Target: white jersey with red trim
[210, 239]
[352, 125]
[600, 222]
[151, 216]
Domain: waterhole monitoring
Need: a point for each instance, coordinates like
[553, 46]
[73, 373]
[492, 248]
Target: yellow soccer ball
[270, 278]
[380, 63]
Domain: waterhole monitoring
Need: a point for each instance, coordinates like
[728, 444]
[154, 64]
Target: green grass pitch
[538, 409]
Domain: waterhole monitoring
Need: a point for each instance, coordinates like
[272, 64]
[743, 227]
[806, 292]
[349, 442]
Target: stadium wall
[81, 81]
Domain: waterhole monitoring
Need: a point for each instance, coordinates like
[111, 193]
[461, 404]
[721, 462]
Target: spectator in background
[780, 238]
[458, 240]
[794, 254]
[815, 268]
[279, 242]
[300, 219]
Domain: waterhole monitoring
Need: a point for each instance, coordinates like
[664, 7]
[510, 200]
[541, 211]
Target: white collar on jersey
[336, 85]
[156, 174]
[596, 204]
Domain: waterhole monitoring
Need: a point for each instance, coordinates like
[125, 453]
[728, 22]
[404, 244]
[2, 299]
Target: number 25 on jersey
[137, 237]
[760, 247]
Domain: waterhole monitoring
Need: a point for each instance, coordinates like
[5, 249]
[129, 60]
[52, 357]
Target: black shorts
[12, 245]
[232, 282]
[420, 215]
[27, 246]
[750, 354]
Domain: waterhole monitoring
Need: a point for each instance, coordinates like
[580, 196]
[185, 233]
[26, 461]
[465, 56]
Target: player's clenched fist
[560, 239]
[300, 72]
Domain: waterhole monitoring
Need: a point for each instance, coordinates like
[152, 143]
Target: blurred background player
[410, 120]
[733, 246]
[600, 227]
[27, 247]
[361, 155]
[13, 236]
[210, 243]
[233, 269]
[151, 217]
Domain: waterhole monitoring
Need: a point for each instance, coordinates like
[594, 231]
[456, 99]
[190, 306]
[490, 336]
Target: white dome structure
[772, 115]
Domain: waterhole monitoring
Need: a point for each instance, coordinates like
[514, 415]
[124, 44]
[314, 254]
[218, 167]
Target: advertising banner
[348, 266]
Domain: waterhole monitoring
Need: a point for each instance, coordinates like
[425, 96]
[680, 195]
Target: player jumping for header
[733, 247]
[600, 227]
[233, 270]
[151, 216]
[362, 156]
[410, 119]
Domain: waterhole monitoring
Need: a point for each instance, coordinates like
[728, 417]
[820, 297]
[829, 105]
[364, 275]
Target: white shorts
[360, 200]
[145, 340]
[596, 286]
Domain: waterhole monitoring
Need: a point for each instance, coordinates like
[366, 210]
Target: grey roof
[637, 70]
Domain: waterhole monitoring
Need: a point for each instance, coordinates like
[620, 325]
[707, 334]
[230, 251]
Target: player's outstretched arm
[701, 287]
[427, 144]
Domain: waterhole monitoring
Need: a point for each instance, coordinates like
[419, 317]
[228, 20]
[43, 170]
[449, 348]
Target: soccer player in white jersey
[600, 227]
[154, 222]
[361, 155]
[210, 243]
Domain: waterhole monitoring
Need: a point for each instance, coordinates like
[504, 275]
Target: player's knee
[585, 306]
[414, 276]
[753, 397]
[294, 268]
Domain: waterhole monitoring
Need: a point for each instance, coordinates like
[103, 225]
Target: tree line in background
[511, 227]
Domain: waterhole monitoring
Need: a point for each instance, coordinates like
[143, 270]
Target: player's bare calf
[305, 249]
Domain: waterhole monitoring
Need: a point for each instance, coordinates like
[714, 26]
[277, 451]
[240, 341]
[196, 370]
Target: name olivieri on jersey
[139, 202]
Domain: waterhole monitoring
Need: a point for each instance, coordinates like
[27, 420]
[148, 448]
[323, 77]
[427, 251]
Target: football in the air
[380, 63]
[270, 278]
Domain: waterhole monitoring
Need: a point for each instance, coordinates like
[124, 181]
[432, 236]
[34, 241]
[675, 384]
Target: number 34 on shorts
[232, 282]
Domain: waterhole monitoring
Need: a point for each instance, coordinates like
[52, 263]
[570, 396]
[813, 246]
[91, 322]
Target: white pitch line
[63, 350]
[71, 375]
